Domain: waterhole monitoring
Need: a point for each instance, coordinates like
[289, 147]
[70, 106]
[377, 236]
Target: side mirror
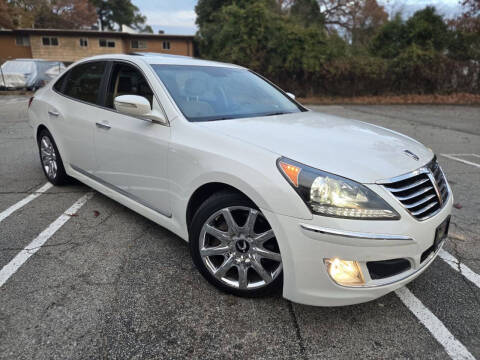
[291, 95]
[138, 106]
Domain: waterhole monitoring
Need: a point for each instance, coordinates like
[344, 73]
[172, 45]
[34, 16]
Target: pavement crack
[458, 263]
[301, 343]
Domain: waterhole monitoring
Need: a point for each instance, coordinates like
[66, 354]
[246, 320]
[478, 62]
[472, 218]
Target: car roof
[163, 59]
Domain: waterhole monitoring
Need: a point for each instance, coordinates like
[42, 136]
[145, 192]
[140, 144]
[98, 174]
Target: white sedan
[269, 194]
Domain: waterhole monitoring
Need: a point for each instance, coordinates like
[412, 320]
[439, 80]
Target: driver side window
[127, 80]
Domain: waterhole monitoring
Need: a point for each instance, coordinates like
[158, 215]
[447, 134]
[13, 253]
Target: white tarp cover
[29, 73]
[17, 73]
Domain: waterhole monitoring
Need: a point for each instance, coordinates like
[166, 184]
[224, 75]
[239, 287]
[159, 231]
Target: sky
[178, 16]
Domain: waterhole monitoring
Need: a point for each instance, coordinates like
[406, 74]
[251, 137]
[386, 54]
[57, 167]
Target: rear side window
[59, 84]
[83, 81]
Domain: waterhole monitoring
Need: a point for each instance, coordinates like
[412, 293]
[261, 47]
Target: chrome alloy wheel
[49, 157]
[238, 247]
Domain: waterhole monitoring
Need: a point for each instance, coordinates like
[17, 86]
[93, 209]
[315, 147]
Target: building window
[49, 41]
[166, 45]
[106, 43]
[22, 41]
[83, 42]
[138, 44]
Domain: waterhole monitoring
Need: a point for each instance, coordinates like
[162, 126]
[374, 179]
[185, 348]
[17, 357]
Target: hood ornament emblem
[411, 154]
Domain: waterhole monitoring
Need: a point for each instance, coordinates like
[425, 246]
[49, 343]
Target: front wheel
[234, 247]
[51, 160]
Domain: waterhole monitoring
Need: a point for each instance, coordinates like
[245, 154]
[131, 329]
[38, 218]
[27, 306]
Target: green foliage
[296, 48]
[307, 13]
[416, 67]
[427, 29]
[263, 40]
[464, 46]
[391, 39]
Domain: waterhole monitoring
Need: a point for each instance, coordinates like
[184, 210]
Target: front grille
[422, 192]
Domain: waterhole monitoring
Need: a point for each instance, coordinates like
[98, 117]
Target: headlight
[332, 195]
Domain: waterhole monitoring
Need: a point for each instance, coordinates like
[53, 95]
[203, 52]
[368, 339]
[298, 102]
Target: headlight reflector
[332, 195]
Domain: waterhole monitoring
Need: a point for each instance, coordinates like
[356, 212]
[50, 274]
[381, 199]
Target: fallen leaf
[96, 213]
[457, 206]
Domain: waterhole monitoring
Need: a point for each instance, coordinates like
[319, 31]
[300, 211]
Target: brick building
[72, 45]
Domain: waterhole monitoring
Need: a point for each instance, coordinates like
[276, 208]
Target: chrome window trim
[120, 191]
[106, 60]
[352, 234]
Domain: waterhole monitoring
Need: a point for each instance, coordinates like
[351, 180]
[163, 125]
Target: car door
[131, 153]
[74, 112]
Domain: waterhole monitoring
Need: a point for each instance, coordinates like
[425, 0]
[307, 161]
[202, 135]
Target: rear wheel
[51, 160]
[234, 247]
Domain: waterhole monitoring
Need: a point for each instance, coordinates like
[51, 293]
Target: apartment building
[71, 45]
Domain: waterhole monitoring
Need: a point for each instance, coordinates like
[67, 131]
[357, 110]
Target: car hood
[349, 148]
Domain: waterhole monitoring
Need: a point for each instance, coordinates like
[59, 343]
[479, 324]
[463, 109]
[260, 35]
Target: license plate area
[441, 234]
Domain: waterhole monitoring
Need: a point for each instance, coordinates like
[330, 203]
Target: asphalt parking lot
[109, 283]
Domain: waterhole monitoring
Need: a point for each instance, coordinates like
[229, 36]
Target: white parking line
[475, 155]
[4, 214]
[10, 269]
[453, 157]
[458, 266]
[452, 346]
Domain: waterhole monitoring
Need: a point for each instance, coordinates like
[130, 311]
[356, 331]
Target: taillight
[30, 101]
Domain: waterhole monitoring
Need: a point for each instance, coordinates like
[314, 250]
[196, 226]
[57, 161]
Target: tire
[234, 248]
[51, 160]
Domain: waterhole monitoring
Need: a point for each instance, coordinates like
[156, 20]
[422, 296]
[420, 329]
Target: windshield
[205, 93]
[22, 67]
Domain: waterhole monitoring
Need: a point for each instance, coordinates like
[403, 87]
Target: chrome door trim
[352, 234]
[121, 191]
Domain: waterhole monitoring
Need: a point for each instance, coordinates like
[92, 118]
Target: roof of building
[68, 32]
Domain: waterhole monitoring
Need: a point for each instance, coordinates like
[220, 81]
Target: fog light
[345, 272]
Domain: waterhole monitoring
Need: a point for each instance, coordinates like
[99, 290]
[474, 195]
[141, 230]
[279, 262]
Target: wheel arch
[40, 128]
[203, 192]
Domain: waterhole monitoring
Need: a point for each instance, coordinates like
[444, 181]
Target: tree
[391, 39]
[363, 19]
[427, 29]
[306, 12]
[472, 7]
[59, 14]
[119, 12]
[5, 16]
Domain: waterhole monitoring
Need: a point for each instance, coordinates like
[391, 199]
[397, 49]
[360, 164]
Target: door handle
[53, 113]
[102, 125]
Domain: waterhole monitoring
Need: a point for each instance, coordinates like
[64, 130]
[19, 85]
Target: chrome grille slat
[422, 210]
[407, 187]
[422, 202]
[415, 194]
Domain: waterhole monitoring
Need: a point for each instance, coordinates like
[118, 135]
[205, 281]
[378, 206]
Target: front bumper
[305, 244]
